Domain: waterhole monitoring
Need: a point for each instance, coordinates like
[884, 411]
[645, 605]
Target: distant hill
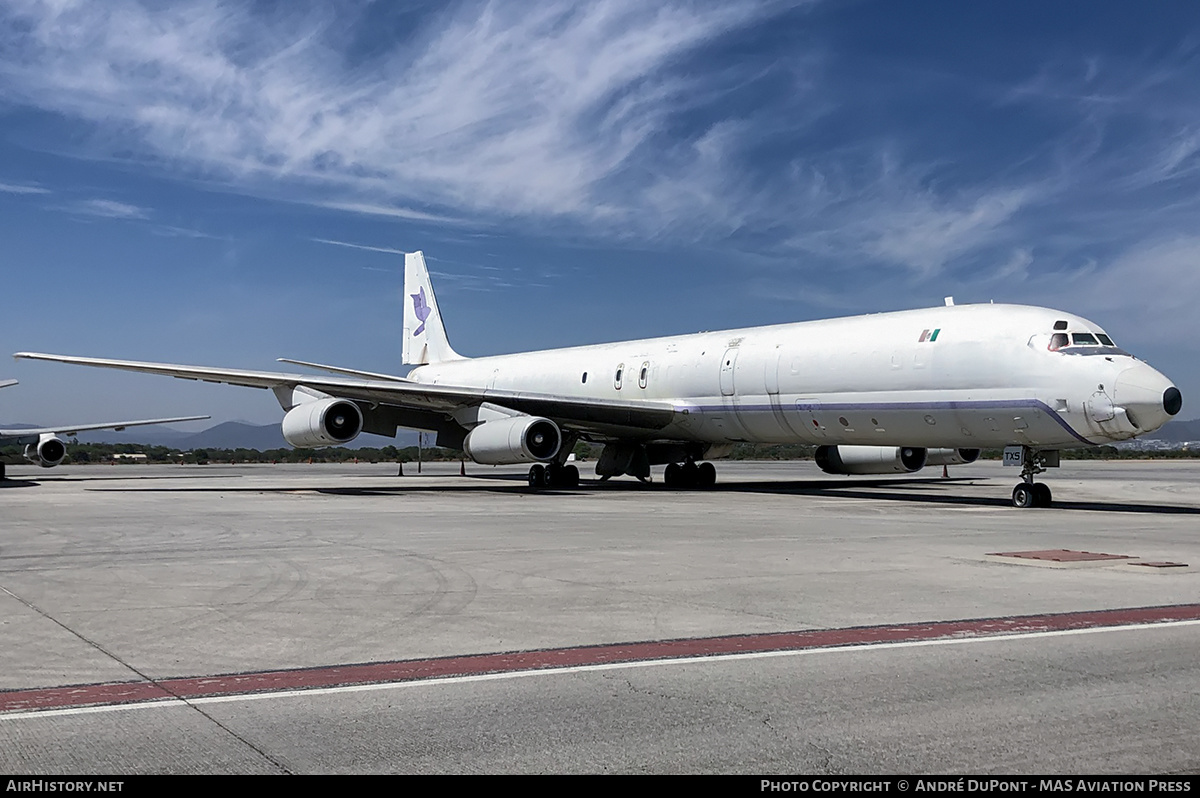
[1178, 431]
[230, 435]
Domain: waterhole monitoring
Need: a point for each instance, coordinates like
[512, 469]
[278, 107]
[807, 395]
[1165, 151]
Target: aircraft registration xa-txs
[878, 394]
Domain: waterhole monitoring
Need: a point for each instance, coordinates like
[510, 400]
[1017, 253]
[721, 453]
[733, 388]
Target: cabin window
[584, 380]
[1058, 341]
[1084, 339]
[620, 373]
[643, 374]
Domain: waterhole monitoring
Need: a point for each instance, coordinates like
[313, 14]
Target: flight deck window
[1060, 325]
[1084, 339]
[1104, 339]
[1058, 341]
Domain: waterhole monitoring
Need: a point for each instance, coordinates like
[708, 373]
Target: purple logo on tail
[421, 309]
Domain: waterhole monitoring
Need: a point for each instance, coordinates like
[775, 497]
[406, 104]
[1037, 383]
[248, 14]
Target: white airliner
[878, 394]
[45, 448]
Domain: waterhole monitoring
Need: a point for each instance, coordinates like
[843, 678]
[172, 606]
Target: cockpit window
[1082, 343]
[1060, 325]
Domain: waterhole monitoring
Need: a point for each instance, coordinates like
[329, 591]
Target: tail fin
[424, 336]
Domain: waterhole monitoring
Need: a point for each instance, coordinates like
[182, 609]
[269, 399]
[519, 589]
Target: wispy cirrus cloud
[110, 209]
[14, 188]
[629, 121]
[504, 110]
[372, 209]
[366, 247]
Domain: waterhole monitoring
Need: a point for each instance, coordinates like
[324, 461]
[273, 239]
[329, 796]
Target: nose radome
[1172, 400]
[1149, 398]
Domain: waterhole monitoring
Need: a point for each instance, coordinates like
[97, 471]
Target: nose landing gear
[1030, 493]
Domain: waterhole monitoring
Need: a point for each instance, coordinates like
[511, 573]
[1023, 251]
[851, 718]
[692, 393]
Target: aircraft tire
[1023, 496]
[537, 476]
[706, 475]
[1041, 495]
[671, 476]
[689, 475]
[570, 476]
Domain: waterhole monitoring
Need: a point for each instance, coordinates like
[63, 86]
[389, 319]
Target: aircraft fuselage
[975, 376]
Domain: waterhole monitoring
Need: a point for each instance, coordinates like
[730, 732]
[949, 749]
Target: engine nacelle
[48, 452]
[870, 459]
[507, 441]
[323, 422]
[943, 457]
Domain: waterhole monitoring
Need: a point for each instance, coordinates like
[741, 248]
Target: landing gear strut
[1029, 493]
[553, 475]
[690, 475]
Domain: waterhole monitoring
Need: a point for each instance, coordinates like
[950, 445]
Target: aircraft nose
[1149, 398]
[1172, 400]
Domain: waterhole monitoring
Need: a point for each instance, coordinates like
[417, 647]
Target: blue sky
[224, 183]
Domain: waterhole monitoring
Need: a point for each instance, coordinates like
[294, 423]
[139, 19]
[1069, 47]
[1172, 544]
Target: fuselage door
[771, 371]
[728, 365]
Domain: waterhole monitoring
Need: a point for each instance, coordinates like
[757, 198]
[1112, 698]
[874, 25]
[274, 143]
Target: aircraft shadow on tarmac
[17, 483]
[884, 490]
[11, 482]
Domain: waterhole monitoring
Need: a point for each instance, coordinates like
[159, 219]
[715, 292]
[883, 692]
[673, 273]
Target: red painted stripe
[475, 664]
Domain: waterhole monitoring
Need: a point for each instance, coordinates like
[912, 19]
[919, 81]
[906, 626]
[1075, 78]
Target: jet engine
[520, 439]
[943, 457]
[870, 459]
[323, 422]
[49, 451]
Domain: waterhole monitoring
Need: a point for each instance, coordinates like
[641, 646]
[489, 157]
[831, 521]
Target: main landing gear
[690, 475]
[553, 475]
[1029, 493]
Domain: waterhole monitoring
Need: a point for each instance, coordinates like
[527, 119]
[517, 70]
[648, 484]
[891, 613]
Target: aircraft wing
[71, 430]
[7, 383]
[572, 412]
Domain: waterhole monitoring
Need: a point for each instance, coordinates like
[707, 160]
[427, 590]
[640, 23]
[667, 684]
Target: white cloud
[388, 250]
[895, 216]
[501, 109]
[10, 188]
[111, 209]
[1016, 267]
[386, 210]
[925, 232]
[1156, 284]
